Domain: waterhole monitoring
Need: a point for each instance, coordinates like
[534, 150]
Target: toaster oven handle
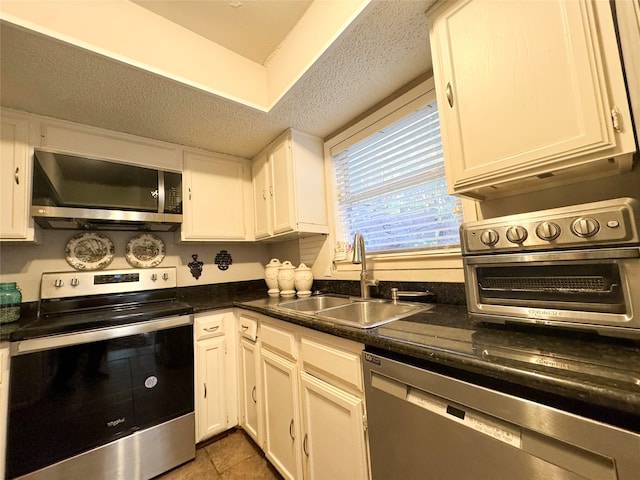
[564, 256]
[88, 336]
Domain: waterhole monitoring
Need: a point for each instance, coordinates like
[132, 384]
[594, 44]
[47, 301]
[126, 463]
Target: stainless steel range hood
[74, 192]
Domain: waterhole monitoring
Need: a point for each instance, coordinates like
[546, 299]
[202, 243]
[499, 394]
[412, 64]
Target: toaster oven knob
[58, 282]
[585, 227]
[548, 231]
[489, 237]
[75, 282]
[517, 234]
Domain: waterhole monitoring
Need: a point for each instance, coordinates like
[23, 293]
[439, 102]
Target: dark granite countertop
[584, 373]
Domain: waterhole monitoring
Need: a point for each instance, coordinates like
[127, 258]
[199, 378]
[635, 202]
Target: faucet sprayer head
[358, 248]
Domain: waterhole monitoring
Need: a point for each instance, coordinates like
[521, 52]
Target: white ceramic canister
[303, 280]
[271, 276]
[286, 280]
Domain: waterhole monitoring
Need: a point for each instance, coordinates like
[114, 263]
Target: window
[391, 187]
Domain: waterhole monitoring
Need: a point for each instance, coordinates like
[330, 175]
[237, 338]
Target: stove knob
[489, 237]
[154, 277]
[548, 231]
[585, 227]
[58, 283]
[165, 276]
[517, 234]
[75, 282]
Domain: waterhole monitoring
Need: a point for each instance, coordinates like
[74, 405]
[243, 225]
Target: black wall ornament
[195, 266]
[223, 260]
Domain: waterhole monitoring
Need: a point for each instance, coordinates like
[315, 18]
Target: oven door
[74, 392]
[579, 288]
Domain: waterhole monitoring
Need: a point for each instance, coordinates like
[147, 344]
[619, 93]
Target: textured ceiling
[251, 28]
[382, 50]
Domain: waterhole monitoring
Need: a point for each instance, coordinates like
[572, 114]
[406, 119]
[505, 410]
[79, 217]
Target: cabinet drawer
[337, 366]
[208, 326]
[278, 340]
[248, 327]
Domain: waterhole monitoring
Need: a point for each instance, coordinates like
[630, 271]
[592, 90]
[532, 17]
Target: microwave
[77, 192]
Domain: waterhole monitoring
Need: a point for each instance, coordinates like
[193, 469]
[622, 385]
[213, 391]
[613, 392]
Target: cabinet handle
[264, 193]
[305, 443]
[253, 394]
[212, 329]
[245, 328]
[189, 193]
[17, 175]
[449, 93]
[205, 390]
[615, 118]
[291, 430]
[271, 191]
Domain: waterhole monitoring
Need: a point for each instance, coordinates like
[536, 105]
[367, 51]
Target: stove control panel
[76, 284]
[599, 224]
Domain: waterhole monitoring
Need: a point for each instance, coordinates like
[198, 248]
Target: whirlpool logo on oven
[116, 422]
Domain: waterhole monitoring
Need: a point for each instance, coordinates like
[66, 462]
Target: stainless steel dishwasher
[424, 425]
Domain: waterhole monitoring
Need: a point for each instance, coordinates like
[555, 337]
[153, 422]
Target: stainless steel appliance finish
[72, 192]
[423, 425]
[572, 267]
[101, 384]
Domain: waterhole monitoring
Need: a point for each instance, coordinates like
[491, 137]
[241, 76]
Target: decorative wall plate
[89, 251]
[145, 250]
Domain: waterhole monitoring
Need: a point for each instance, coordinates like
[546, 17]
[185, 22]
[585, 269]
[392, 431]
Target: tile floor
[232, 456]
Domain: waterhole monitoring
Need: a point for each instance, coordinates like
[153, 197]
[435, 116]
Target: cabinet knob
[449, 93]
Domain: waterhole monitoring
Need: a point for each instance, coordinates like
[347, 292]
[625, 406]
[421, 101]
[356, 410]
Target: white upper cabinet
[530, 93]
[289, 187]
[108, 145]
[15, 179]
[216, 193]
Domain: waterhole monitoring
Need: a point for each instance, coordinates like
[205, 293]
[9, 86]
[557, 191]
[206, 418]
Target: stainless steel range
[573, 267]
[101, 384]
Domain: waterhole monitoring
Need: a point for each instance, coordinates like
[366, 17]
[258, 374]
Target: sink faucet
[360, 257]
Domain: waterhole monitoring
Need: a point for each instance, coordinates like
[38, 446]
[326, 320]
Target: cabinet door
[283, 207]
[213, 199]
[250, 416]
[14, 178]
[333, 432]
[521, 88]
[282, 446]
[210, 404]
[95, 142]
[262, 193]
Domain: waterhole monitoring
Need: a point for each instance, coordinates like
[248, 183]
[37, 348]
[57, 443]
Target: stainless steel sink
[313, 304]
[366, 314]
[354, 311]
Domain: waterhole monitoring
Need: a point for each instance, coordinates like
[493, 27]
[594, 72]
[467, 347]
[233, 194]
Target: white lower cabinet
[282, 424]
[333, 436]
[250, 390]
[215, 374]
[310, 399]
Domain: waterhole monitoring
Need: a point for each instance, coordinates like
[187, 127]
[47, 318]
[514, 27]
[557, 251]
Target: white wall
[25, 264]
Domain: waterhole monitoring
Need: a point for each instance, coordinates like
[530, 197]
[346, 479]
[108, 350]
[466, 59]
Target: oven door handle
[599, 254]
[76, 338]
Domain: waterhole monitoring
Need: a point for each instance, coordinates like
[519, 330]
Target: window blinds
[391, 187]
